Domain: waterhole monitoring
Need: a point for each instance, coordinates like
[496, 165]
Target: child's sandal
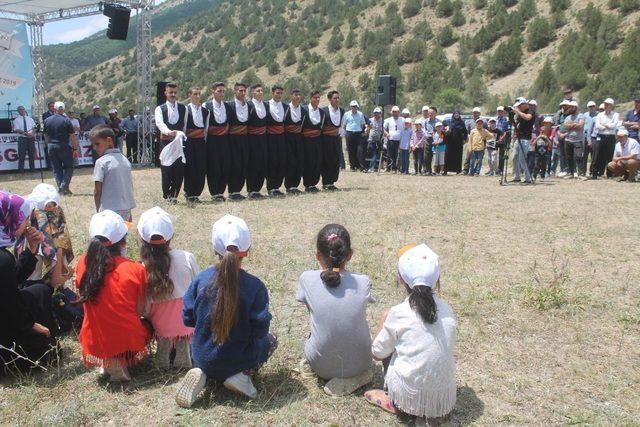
[380, 399]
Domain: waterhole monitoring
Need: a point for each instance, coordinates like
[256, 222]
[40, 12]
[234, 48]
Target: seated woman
[229, 309]
[338, 349]
[25, 314]
[415, 341]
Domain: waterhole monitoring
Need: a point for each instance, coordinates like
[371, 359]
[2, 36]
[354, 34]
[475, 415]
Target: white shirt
[296, 112]
[314, 115]
[276, 109]
[335, 116]
[261, 112]
[630, 148]
[18, 123]
[219, 111]
[607, 124]
[76, 124]
[394, 127]
[242, 111]
[184, 268]
[172, 117]
[422, 359]
[196, 115]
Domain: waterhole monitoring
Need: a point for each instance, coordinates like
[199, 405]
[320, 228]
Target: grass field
[543, 279]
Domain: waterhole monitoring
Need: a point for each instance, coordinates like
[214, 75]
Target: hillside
[446, 52]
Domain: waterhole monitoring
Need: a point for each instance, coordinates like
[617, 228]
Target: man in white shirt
[25, 126]
[332, 141]
[276, 143]
[392, 129]
[606, 125]
[170, 118]
[218, 155]
[195, 148]
[626, 158]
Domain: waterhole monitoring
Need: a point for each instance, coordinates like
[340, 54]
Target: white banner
[9, 152]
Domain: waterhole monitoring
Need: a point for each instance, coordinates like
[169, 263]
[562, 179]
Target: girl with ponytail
[338, 348]
[170, 272]
[415, 341]
[112, 291]
[229, 309]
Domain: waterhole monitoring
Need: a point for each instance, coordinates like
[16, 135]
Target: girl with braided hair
[338, 348]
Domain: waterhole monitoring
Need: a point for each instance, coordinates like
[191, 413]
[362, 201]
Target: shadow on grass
[468, 408]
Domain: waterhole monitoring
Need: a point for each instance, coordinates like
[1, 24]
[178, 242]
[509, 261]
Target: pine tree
[446, 36]
[444, 9]
[290, 57]
[423, 30]
[479, 4]
[476, 90]
[539, 34]
[273, 68]
[411, 8]
[458, 19]
[506, 58]
[335, 42]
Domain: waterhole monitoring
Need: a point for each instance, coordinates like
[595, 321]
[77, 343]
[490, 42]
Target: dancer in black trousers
[312, 122]
[195, 148]
[293, 118]
[238, 118]
[170, 117]
[276, 143]
[218, 155]
[257, 170]
[331, 141]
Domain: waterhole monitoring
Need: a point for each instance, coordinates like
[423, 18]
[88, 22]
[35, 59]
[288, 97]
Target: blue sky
[71, 30]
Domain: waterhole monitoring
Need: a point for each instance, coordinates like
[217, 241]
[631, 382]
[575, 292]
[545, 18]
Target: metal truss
[37, 59]
[143, 75]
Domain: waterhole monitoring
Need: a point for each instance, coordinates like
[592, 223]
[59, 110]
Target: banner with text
[16, 69]
[9, 152]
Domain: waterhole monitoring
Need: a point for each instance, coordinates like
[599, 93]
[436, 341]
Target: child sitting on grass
[112, 291]
[170, 272]
[229, 309]
[338, 349]
[113, 185]
[415, 342]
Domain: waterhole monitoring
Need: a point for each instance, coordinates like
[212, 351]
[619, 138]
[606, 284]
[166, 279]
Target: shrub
[458, 19]
[444, 9]
[506, 58]
[539, 34]
[446, 37]
[411, 8]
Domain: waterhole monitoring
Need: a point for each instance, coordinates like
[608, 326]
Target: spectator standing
[626, 158]
[83, 121]
[471, 125]
[129, 126]
[477, 142]
[524, 131]
[439, 149]
[354, 125]
[632, 120]
[589, 118]
[455, 136]
[405, 144]
[492, 150]
[374, 143]
[50, 111]
[427, 127]
[559, 121]
[58, 134]
[606, 125]
[25, 126]
[95, 119]
[418, 142]
[74, 121]
[114, 123]
[503, 125]
[392, 129]
[573, 137]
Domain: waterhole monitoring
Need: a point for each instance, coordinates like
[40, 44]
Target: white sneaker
[190, 387]
[242, 384]
[562, 174]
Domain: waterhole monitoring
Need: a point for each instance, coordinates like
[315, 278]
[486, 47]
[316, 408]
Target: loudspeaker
[118, 21]
[5, 126]
[160, 86]
[386, 92]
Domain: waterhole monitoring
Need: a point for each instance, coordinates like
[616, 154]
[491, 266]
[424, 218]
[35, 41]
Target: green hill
[445, 52]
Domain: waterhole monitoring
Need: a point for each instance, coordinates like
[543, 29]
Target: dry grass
[502, 248]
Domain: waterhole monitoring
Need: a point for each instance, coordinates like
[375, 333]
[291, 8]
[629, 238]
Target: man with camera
[522, 120]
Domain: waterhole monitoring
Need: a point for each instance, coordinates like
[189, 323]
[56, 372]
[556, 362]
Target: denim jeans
[404, 161]
[475, 162]
[61, 156]
[520, 150]
[373, 153]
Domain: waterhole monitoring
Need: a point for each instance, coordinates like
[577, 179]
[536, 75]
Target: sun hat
[500, 108]
[547, 120]
[408, 121]
[113, 111]
[43, 194]
[480, 119]
[574, 103]
[109, 225]
[231, 233]
[533, 102]
[354, 103]
[419, 266]
[519, 102]
[96, 107]
[155, 222]
[437, 124]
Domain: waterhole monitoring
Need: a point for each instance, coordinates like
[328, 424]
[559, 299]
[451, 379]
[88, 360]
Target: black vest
[179, 125]
[327, 118]
[306, 121]
[288, 120]
[269, 117]
[254, 120]
[212, 118]
[232, 117]
[191, 124]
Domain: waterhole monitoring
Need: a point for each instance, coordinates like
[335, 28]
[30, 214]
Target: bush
[411, 8]
[446, 37]
[506, 58]
[539, 34]
[558, 5]
[290, 57]
[444, 9]
[458, 19]
[449, 99]
[335, 42]
[479, 4]
[423, 30]
[273, 68]
[412, 51]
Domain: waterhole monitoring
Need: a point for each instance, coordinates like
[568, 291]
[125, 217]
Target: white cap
[519, 102]
[601, 106]
[109, 225]
[547, 120]
[408, 121]
[395, 108]
[113, 111]
[574, 103]
[533, 102]
[58, 105]
[155, 222]
[96, 107]
[437, 124]
[377, 110]
[591, 104]
[476, 110]
[609, 101]
[565, 102]
[425, 108]
[480, 119]
[419, 266]
[230, 231]
[354, 103]
[500, 108]
[622, 132]
[406, 111]
[42, 194]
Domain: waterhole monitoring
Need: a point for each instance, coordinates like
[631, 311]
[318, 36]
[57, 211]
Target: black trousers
[239, 156]
[353, 140]
[603, 149]
[392, 151]
[312, 161]
[330, 169]
[574, 152]
[418, 160]
[540, 167]
[172, 177]
[276, 161]
[295, 160]
[218, 164]
[132, 147]
[258, 158]
[195, 170]
[428, 155]
[26, 146]
[362, 153]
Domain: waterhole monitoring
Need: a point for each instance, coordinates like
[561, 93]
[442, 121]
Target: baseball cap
[419, 266]
[500, 108]
[475, 110]
[622, 132]
[406, 111]
[395, 108]
[609, 101]
[109, 225]
[354, 103]
[437, 124]
[425, 108]
[519, 102]
[492, 119]
[155, 222]
[377, 110]
[43, 194]
[113, 111]
[574, 103]
[408, 121]
[480, 120]
[533, 102]
[591, 104]
[96, 107]
[547, 120]
[231, 232]
[58, 105]
[565, 102]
